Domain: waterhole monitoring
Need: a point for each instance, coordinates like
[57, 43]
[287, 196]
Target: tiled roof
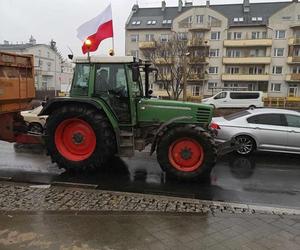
[231, 11]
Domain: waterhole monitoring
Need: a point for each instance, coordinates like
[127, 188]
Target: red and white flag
[96, 30]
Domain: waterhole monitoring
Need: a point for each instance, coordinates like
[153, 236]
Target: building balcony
[195, 42]
[294, 41]
[293, 59]
[164, 61]
[247, 60]
[293, 77]
[245, 77]
[198, 60]
[248, 43]
[193, 77]
[147, 45]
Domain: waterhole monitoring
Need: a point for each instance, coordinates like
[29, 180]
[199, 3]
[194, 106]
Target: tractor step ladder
[126, 143]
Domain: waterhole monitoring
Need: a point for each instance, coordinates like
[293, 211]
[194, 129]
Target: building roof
[263, 10]
[17, 46]
[231, 11]
[21, 47]
[154, 14]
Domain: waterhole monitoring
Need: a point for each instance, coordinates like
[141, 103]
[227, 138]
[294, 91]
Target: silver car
[274, 130]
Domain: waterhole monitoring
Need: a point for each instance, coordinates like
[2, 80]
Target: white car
[36, 123]
[274, 130]
[236, 99]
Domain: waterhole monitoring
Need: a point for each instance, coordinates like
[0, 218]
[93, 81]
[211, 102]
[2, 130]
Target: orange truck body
[16, 82]
[16, 92]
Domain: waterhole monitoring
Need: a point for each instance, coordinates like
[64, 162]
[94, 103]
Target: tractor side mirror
[70, 56]
[135, 73]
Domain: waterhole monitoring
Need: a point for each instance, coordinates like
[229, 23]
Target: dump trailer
[16, 92]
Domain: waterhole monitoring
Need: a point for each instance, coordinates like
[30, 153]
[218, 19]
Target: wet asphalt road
[264, 178]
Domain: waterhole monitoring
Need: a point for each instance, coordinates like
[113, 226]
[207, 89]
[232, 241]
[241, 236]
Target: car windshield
[236, 115]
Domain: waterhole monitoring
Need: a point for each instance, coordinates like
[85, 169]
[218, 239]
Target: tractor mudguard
[55, 103]
[164, 126]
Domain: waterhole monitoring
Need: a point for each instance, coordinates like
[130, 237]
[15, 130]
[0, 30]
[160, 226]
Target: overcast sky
[59, 19]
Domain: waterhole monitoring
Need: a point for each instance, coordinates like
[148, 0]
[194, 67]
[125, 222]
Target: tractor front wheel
[79, 138]
[187, 152]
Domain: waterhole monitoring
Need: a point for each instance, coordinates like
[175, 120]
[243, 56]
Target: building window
[48, 54]
[182, 36]
[275, 87]
[257, 70]
[190, 19]
[277, 70]
[255, 35]
[233, 53]
[214, 53]
[296, 70]
[196, 90]
[136, 22]
[200, 19]
[215, 35]
[212, 85]
[213, 70]
[149, 37]
[280, 34]
[49, 66]
[134, 53]
[278, 52]
[134, 38]
[238, 19]
[237, 35]
[164, 38]
[286, 17]
[232, 70]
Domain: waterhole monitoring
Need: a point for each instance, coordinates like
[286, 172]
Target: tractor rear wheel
[187, 152]
[79, 138]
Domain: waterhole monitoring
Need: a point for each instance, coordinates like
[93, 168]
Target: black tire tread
[195, 132]
[102, 128]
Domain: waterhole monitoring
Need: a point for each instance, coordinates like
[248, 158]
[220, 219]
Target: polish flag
[96, 30]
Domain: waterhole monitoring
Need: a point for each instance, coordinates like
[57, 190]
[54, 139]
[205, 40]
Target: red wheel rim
[186, 155]
[75, 139]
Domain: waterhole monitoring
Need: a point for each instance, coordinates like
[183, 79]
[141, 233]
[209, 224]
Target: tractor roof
[105, 59]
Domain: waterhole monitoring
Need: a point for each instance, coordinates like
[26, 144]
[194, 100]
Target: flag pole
[113, 37]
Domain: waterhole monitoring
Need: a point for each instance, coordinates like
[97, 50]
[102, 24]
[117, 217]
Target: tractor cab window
[111, 86]
[81, 79]
[111, 79]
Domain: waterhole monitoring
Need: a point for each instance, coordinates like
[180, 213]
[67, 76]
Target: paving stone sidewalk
[43, 217]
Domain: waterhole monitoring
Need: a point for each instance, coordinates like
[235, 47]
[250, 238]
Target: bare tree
[174, 60]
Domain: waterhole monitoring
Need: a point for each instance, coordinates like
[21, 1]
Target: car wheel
[252, 107]
[246, 145]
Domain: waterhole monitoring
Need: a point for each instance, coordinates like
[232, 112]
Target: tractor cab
[111, 80]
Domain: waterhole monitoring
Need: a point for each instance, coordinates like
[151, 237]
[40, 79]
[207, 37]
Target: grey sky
[59, 19]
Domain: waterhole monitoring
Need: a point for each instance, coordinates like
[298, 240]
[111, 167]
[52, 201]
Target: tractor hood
[159, 111]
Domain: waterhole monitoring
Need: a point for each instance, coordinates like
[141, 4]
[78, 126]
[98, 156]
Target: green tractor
[108, 114]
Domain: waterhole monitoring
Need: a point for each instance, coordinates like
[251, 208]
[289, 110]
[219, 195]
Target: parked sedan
[36, 123]
[274, 130]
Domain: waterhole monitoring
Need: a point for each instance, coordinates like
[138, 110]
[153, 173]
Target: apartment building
[250, 46]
